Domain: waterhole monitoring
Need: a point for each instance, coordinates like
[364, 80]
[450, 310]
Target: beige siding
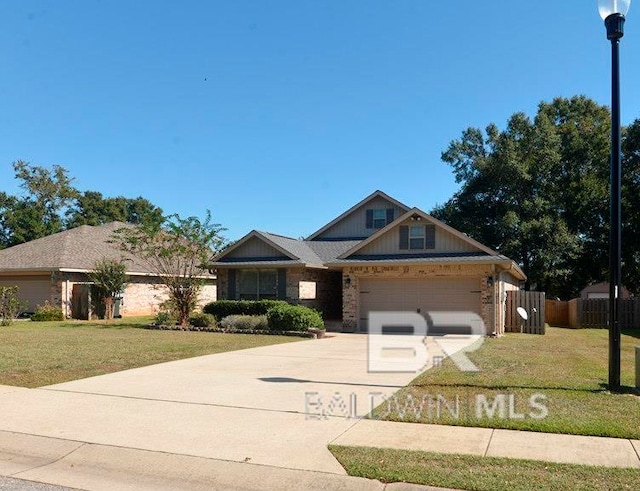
[255, 248]
[389, 243]
[354, 225]
[33, 290]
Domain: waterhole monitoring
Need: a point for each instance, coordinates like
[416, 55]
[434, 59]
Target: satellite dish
[522, 313]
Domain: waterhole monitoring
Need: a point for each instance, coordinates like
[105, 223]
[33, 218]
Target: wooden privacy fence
[533, 303]
[556, 313]
[594, 313]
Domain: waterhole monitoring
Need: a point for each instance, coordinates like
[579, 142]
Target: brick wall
[142, 295]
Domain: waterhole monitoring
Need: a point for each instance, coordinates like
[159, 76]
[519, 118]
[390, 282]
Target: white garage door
[420, 295]
[32, 290]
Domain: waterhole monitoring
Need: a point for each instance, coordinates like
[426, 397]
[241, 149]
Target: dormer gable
[363, 220]
[417, 234]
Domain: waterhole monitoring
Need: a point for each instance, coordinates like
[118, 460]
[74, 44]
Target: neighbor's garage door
[421, 295]
[32, 290]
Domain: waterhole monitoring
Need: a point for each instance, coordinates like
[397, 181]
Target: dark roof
[75, 249]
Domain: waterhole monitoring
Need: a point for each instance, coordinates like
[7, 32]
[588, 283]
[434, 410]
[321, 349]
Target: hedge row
[224, 308]
[281, 316]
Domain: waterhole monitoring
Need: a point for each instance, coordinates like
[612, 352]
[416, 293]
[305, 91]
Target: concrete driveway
[276, 406]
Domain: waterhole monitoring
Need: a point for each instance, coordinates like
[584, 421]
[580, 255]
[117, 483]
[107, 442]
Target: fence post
[638, 367]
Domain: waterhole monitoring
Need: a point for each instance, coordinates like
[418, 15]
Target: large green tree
[537, 191]
[39, 212]
[50, 203]
[92, 208]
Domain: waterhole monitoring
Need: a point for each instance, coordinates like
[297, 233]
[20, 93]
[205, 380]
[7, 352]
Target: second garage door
[419, 295]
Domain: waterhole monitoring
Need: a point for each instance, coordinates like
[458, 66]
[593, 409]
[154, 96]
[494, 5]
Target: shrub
[47, 312]
[245, 322]
[293, 318]
[165, 318]
[225, 308]
[202, 320]
[10, 305]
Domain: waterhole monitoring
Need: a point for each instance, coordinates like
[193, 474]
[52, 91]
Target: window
[379, 217]
[257, 284]
[416, 237]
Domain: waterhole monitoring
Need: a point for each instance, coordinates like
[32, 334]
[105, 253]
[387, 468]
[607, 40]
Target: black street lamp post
[613, 12]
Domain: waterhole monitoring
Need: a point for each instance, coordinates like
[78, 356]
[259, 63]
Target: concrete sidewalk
[487, 442]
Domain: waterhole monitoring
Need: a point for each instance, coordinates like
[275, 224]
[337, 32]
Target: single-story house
[380, 255]
[54, 269]
[600, 291]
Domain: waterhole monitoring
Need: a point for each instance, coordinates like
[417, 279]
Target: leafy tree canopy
[50, 203]
[538, 191]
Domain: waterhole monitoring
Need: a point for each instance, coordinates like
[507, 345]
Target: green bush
[224, 308]
[245, 322]
[10, 304]
[47, 312]
[165, 318]
[293, 318]
[202, 320]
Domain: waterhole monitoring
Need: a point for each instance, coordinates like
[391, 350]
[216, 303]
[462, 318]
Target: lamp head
[611, 7]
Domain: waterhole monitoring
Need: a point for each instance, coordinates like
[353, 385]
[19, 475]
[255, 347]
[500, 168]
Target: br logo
[397, 341]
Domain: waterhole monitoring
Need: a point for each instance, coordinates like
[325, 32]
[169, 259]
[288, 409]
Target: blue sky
[279, 115]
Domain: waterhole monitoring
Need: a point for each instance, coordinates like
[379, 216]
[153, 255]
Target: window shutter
[389, 215]
[282, 284]
[430, 237]
[369, 224]
[404, 237]
[231, 287]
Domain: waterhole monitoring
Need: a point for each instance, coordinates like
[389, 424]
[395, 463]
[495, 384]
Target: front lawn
[479, 473]
[565, 371]
[33, 354]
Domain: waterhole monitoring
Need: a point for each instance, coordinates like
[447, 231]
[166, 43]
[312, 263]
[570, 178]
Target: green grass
[33, 354]
[568, 368]
[479, 473]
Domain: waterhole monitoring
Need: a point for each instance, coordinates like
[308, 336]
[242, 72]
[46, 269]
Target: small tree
[109, 277]
[177, 252]
[10, 304]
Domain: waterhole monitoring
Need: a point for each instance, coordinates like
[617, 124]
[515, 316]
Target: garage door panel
[419, 295]
[33, 291]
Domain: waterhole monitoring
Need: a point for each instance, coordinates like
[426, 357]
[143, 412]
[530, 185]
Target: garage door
[421, 296]
[34, 291]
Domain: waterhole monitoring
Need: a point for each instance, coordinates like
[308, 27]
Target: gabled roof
[294, 250]
[77, 249]
[375, 194]
[426, 217]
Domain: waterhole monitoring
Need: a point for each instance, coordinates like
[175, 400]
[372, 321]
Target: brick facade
[142, 295]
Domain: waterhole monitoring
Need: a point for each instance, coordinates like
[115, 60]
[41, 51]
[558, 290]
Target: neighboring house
[380, 255]
[600, 290]
[55, 268]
